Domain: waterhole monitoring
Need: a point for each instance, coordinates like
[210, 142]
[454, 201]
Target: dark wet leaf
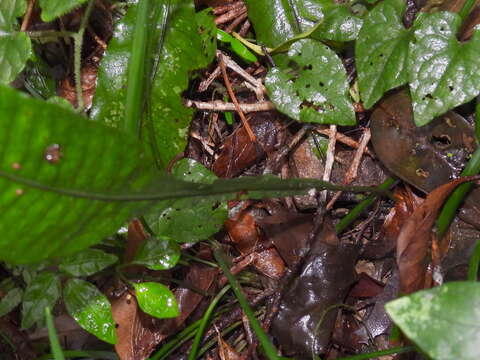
[381, 51]
[415, 238]
[443, 73]
[156, 299]
[90, 308]
[189, 43]
[11, 299]
[52, 9]
[42, 291]
[239, 152]
[15, 46]
[442, 321]
[317, 91]
[87, 262]
[339, 24]
[324, 280]
[158, 254]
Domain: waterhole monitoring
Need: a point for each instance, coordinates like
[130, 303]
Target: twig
[28, 15]
[219, 105]
[206, 83]
[352, 171]
[244, 29]
[232, 14]
[248, 129]
[329, 160]
[236, 22]
[344, 139]
[228, 7]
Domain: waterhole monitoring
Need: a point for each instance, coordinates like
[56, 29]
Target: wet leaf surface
[52, 9]
[324, 280]
[87, 262]
[442, 321]
[156, 299]
[158, 254]
[42, 291]
[90, 308]
[317, 91]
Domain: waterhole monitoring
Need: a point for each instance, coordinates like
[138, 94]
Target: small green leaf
[339, 24]
[43, 291]
[188, 220]
[381, 51]
[158, 254]
[443, 321]
[10, 301]
[156, 299]
[15, 47]
[316, 89]
[90, 308]
[87, 262]
[51, 9]
[241, 50]
[444, 73]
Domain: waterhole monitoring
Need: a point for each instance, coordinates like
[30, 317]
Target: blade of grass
[204, 322]
[453, 202]
[270, 351]
[395, 350]
[474, 263]
[361, 207]
[52, 336]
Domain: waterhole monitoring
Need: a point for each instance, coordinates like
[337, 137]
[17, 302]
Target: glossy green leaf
[156, 299]
[443, 73]
[90, 308]
[339, 24]
[15, 47]
[443, 321]
[276, 21]
[11, 299]
[316, 89]
[381, 51]
[87, 262]
[46, 148]
[43, 291]
[189, 44]
[158, 254]
[187, 220]
[52, 9]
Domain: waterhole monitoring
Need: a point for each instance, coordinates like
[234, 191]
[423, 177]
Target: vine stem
[467, 7]
[77, 55]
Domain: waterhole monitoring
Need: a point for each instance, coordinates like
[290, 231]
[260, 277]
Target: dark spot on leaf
[308, 104]
[371, 63]
[199, 226]
[451, 88]
[321, 84]
[117, 326]
[201, 29]
[443, 141]
[307, 86]
[53, 153]
[308, 67]
[381, 55]
[331, 107]
[129, 302]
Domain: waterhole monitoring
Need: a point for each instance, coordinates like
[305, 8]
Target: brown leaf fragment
[324, 280]
[414, 239]
[239, 152]
[225, 351]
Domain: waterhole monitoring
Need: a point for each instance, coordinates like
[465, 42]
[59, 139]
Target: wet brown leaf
[239, 153]
[415, 237]
[66, 87]
[324, 280]
[225, 351]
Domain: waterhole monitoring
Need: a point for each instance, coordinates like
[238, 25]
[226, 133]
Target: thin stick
[28, 15]
[344, 139]
[248, 129]
[219, 105]
[352, 171]
[232, 14]
[236, 22]
[329, 160]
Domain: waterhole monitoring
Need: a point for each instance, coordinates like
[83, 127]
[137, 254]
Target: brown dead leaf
[225, 351]
[415, 237]
[239, 152]
[66, 87]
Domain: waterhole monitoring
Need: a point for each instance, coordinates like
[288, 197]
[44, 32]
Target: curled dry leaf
[415, 236]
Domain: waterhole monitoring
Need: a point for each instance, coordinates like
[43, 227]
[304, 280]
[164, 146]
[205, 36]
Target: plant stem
[395, 350]
[52, 336]
[361, 207]
[453, 202]
[49, 34]
[269, 349]
[77, 59]
[474, 263]
[204, 322]
[467, 7]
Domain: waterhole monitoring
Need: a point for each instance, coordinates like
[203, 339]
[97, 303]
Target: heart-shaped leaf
[315, 89]
[156, 299]
[381, 51]
[443, 73]
[43, 291]
[90, 308]
[443, 322]
[87, 262]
